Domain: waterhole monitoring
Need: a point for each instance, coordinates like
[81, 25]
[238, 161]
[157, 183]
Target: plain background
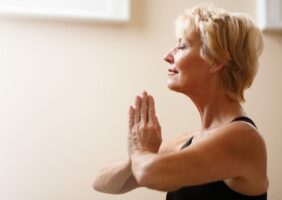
[65, 89]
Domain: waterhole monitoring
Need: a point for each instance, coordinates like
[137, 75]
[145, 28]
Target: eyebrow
[186, 40]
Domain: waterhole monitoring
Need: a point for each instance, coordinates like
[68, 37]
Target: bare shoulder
[244, 134]
[175, 144]
[243, 138]
[248, 143]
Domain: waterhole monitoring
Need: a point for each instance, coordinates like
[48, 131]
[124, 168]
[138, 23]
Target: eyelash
[182, 47]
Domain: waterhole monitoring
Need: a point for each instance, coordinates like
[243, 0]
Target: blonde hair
[229, 39]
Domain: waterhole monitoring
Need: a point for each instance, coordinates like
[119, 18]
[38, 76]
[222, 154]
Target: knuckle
[151, 127]
[143, 126]
[143, 110]
[135, 128]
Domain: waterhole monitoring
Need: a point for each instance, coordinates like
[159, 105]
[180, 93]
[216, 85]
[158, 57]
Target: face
[187, 71]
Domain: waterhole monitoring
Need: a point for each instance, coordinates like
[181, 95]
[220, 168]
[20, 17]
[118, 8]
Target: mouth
[172, 71]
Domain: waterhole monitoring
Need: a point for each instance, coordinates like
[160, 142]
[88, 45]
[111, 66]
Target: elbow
[96, 186]
[99, 188]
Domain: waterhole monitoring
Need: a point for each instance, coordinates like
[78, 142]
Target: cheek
[193, 68]
[186, 63]
[182, 62]
[187, 57]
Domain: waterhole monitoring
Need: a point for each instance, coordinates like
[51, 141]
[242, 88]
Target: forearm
[113, 178]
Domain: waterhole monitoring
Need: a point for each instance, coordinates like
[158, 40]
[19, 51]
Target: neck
[217, 110]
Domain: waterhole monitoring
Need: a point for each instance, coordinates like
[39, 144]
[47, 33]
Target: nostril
[168, 58]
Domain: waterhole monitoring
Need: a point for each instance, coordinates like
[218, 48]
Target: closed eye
[182, 47]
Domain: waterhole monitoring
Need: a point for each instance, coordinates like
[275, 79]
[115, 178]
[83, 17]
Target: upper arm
[228, 154]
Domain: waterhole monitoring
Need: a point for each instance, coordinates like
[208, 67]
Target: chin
[177, 87]
[172, 86]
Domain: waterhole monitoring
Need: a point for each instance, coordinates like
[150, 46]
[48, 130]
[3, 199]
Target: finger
[130, 118]
[157, 121]
[151, 109]
[144, 107]
[137, 110]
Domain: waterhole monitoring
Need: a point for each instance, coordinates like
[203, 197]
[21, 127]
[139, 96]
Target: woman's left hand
[144, 132]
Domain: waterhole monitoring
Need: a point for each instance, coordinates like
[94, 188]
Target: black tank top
[212, 191]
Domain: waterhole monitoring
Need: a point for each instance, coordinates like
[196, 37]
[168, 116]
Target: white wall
[65, 88]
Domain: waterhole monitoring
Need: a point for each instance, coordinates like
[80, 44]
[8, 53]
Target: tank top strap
[245, 119]
[187, 143]
[241, 118]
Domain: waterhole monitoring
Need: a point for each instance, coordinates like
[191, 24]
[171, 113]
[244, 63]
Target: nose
[169, 58]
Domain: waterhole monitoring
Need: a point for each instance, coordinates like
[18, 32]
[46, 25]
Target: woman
[214, 61]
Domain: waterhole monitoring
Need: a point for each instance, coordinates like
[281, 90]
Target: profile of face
[188, 71]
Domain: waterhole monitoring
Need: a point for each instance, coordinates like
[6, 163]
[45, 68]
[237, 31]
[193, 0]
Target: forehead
[186, 29]
[184, 23]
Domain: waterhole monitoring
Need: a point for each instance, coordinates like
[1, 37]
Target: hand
[144, 132]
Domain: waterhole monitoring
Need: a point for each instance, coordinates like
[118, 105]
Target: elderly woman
[214, 61]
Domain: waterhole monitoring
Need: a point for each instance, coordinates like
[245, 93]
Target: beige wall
[65, 88]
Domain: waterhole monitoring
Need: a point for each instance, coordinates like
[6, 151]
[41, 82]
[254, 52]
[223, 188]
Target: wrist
[140, 152]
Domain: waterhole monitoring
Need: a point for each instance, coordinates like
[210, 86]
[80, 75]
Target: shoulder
[245, 142]
[241, 137]
[242, 134]
[175, 144]
[248, 144]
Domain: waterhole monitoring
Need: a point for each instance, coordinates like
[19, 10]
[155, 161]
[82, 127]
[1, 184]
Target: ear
[215, 67]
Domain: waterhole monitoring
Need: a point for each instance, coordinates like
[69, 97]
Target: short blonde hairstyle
[229, 39]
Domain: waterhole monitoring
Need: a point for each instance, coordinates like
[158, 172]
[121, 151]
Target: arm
[237, 151]
[116, 178]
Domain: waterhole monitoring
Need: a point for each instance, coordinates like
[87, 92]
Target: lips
[172, 70]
